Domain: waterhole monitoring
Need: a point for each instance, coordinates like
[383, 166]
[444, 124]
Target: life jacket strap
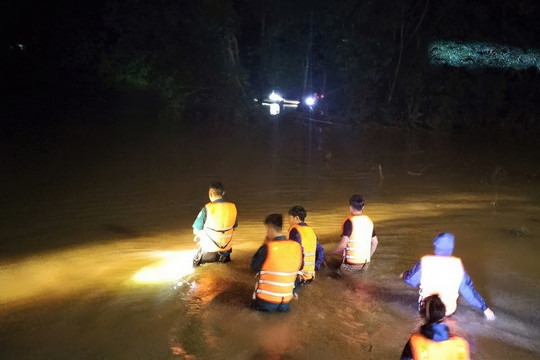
[269, 282]
[279, 273]
[281, 295]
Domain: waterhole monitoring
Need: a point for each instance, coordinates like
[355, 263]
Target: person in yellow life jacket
[358, 238]
[214, 227]
[300, 232]
[433, 340]
[277, 264]
[444, 274]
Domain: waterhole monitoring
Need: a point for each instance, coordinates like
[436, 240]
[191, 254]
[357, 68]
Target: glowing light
[173, 266]
[275, 97]
[310, 101]
[479, 55]
[274, 109]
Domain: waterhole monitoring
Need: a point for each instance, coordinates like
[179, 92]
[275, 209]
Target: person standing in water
[303, 234]
[277, 264]
[358, 238]
[443, 274]
[214, 227]
[433, 340]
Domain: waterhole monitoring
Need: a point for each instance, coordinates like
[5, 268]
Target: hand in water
[489, 314]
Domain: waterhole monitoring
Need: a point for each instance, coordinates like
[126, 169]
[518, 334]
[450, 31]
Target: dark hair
[275, 221]
[433, 309]
[218, 188]
[357, 202]
[299, 211]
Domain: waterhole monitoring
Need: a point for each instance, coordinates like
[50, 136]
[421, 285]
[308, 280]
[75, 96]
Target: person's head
[444, 244]
[274, 224]
[357, 203]
[433, 309]
[216, 190]
[297, 214]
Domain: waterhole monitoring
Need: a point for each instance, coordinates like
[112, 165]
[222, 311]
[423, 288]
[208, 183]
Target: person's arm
[467, 290]
[295, 235]
[258, 259]
[198, 224]
[412, 277]
[319, 256]
[374, 243]
[340, 246]
[407, 352]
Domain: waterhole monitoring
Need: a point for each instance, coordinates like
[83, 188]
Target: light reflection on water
[81, 301]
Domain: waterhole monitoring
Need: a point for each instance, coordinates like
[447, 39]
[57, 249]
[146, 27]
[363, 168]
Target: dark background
[206, 60]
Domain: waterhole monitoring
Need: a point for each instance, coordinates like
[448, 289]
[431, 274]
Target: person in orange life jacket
[214, 227]
[358, 238]
[443, 274]
[433, 340]
[277, 263]
[300, 232]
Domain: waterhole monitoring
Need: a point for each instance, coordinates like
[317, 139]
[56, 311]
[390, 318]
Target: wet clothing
[434, 341]
[359, 229]
[456, 281]
[277, 264]
[214, 227]
[312, 249]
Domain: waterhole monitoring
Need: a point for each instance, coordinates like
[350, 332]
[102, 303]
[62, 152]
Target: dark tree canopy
[370, 58]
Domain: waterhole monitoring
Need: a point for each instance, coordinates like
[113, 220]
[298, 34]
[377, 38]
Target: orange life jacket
[308, 240]
[279, 271]
[358, 250]
[455, 348]
[441, 275]
[218, 226]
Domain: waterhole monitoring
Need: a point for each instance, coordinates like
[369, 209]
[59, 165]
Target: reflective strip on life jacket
[358, 249]
[219, 226]
[441, 275]
[308, 239]
[455, 348]
[279, 271]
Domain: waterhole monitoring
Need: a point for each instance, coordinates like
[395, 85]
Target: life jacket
[218, 227]
[455, 348]
[279, 271]
[441, 275]
[308, 240]
[358, 250]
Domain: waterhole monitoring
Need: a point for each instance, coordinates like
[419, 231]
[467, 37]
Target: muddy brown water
[96, 239]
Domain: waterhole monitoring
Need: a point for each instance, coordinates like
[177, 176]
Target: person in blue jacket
[444, 274]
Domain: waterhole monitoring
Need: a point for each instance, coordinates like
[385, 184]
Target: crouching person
[277, 263]
[433, 340]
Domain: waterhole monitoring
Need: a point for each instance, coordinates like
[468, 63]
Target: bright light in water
[173, 266]
[310, 101]
[478, 55]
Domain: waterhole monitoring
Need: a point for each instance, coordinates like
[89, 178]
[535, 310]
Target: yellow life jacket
[218, 227]
[279, 271]
[308, 241]
[455, 348]
[441, 275]
[358, 250]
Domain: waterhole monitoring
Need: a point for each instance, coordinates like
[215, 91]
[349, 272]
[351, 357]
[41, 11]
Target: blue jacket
[444, 246]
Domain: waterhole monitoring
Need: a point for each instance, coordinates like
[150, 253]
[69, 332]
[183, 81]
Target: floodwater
[96, 238]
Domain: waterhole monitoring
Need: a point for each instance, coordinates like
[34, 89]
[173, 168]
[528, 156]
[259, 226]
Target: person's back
[433, 340]
[277, 263]
[214, 227]
[303, 234]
